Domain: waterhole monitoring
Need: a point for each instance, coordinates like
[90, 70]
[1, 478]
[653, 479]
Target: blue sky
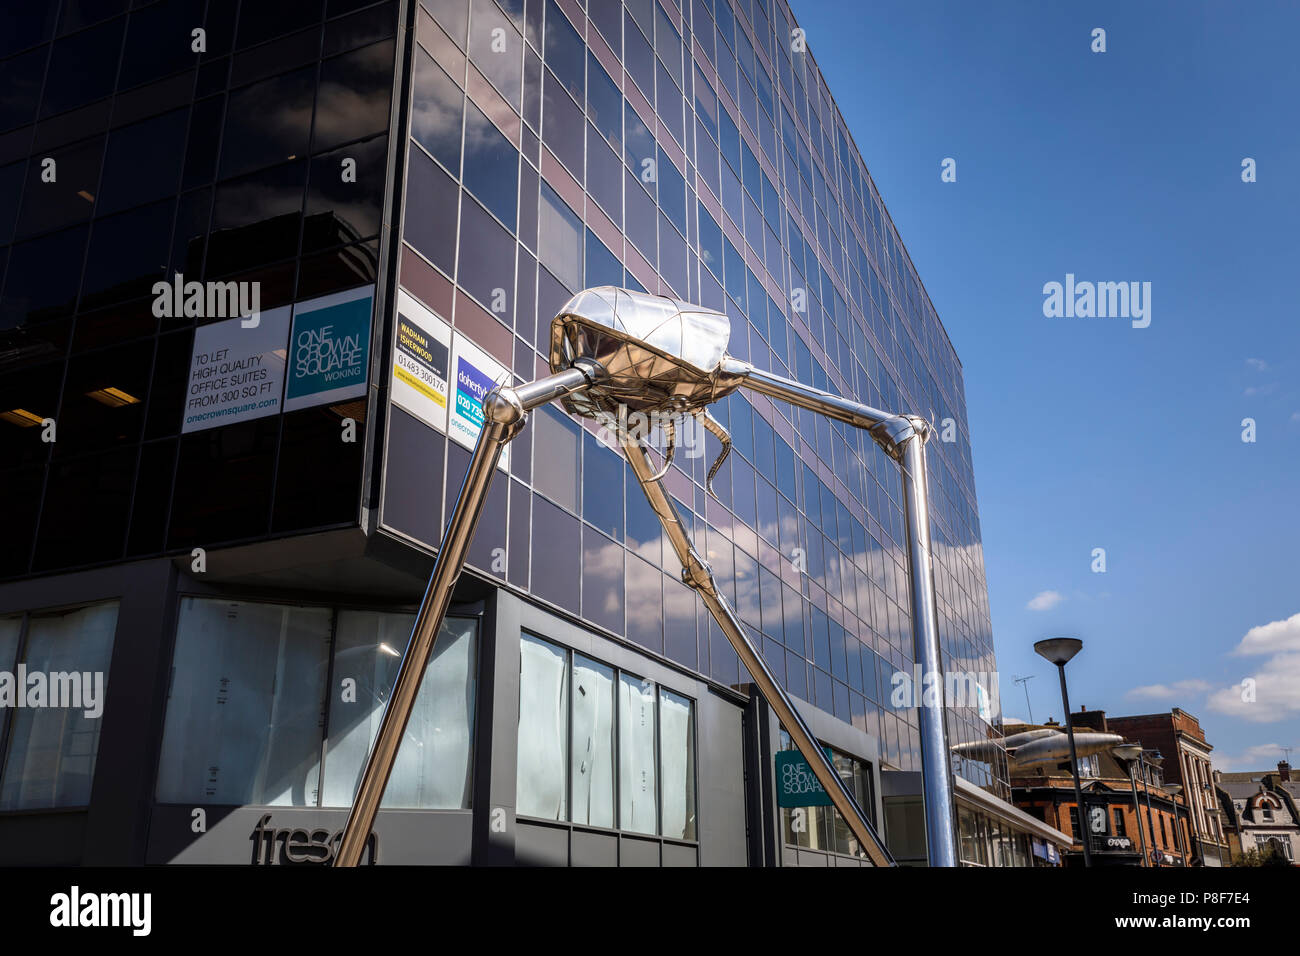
[1089, 433]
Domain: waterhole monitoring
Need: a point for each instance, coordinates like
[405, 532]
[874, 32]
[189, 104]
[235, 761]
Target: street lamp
[1060, 650]
[1130, 753]
[1146, 789]
[1176, 789]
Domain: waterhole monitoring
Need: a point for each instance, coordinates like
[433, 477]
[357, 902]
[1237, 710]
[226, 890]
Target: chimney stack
[1284, 771]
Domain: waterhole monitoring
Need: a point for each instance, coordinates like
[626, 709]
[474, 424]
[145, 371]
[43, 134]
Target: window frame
[596, 655]
[10, 719]
[467, 611]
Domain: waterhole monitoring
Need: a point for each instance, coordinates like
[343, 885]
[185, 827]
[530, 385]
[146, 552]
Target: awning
[1009, 813]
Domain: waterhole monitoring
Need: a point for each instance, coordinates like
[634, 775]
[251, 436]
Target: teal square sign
[796, 784]
[328, 349]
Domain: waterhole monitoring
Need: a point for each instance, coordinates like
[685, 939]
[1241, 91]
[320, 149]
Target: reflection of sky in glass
[810, 521]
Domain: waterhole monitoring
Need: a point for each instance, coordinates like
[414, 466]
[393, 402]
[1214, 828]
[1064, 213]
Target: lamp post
[1060, 650]
[1146, 789]
[1176, 789]
[1130, 753]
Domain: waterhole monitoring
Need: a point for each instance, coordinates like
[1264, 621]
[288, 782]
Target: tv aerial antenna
[1024, 685]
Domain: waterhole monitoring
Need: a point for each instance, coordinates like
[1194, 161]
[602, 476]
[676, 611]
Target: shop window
[638, 789]
[248, 701]
[592, 739]
[245, 704]
[601, 747]
[11, 629]
[677, 731]
[543, 738]
[968, 835]
[433, 768]
[49, 755]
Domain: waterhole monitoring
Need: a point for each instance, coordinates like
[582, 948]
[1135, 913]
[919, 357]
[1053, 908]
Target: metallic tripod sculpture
[614, 350]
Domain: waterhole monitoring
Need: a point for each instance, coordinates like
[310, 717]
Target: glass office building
[261, 260]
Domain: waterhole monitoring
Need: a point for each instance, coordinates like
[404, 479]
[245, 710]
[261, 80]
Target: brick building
[1178, 736]
[1152, 830]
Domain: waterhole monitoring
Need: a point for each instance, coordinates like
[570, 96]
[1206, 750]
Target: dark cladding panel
[412, 500]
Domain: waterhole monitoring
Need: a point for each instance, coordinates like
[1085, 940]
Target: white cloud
[1044, 601]
[1178, 689]
[1272, 692]
[1271, 638]
[1259, 365]
[1258, 757]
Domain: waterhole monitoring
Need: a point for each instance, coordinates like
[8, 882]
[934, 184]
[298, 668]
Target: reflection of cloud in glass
[602, 574]
[644, 587]
[253, 201]
[338, 121]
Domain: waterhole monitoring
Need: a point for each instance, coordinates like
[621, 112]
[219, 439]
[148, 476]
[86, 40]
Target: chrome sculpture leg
[903, 438]
[697, 574]
[504, 412]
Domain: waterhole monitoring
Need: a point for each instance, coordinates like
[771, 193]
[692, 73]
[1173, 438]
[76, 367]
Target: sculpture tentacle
[670, 436]
[721, 433]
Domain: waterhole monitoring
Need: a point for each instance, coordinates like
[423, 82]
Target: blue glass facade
[465, 166]
[696, 151]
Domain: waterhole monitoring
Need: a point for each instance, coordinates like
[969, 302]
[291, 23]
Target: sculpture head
[659, 355]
